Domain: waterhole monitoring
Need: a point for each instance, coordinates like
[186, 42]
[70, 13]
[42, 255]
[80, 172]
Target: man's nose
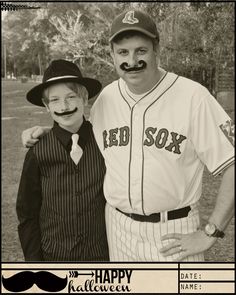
[132, 60]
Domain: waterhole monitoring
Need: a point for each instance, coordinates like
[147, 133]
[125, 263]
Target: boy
[60, 202]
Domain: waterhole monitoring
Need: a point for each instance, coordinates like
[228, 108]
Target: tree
[192, 37]
[23, 48]
[82, 32]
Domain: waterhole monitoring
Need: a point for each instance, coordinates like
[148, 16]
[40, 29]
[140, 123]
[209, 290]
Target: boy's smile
[69, 113]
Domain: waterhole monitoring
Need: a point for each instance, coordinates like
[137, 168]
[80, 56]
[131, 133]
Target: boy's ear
[85, 101]
[46, 106]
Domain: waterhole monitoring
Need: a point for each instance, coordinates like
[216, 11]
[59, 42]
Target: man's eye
[142, 51]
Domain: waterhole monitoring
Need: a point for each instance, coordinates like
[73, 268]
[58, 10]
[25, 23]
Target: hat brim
[133, 28]
[35, 94]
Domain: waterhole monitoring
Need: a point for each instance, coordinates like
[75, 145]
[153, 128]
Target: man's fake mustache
[26, 279]
[141, 65]
[66, 113]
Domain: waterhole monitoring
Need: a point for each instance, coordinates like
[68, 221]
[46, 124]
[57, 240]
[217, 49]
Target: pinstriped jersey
[155, 148]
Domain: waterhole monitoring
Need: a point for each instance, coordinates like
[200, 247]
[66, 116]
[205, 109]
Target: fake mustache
[141, 65]
[26, 279]
[66, 113]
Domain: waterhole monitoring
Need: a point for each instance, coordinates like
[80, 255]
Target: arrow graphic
[75, 274]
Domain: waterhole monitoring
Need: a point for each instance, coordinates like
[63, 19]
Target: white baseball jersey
[155, 148]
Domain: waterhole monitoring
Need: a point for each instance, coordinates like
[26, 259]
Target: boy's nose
[64, 105]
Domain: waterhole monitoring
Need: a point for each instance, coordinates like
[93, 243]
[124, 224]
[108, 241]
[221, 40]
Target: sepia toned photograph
[117, 132]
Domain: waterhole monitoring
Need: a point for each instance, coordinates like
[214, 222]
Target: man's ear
[156, 47]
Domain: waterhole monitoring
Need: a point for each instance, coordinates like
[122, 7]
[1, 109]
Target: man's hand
[31, 136]
[187, 244]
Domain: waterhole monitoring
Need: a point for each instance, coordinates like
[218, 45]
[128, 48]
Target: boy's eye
[122, 52]
[54, 99]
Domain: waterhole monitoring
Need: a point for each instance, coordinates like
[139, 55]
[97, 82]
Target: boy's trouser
[131, 240]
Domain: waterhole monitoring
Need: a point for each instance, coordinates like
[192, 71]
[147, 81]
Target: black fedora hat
[62, 71]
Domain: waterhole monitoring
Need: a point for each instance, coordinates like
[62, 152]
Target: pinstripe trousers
[131, 240]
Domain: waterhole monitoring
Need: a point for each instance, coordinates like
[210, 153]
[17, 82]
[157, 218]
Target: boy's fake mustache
[66, 113]
[141, 65]
[26, 279]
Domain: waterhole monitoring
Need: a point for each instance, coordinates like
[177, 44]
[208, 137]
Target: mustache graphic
[125, 67]
[66, 113]
[26, 279]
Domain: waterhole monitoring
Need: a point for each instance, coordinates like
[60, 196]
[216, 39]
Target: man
[156, 132]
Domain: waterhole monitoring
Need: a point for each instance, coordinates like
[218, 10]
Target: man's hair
[133, 33]
[77, 88]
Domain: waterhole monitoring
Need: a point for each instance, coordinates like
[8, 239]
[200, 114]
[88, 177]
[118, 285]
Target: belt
[156, 217]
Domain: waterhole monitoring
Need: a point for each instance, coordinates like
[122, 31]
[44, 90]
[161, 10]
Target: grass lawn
[17, 115]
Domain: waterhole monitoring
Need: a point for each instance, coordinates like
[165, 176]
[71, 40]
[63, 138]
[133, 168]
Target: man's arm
[223, 212]
[31, 136]
[224, 208]
[28, 207]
